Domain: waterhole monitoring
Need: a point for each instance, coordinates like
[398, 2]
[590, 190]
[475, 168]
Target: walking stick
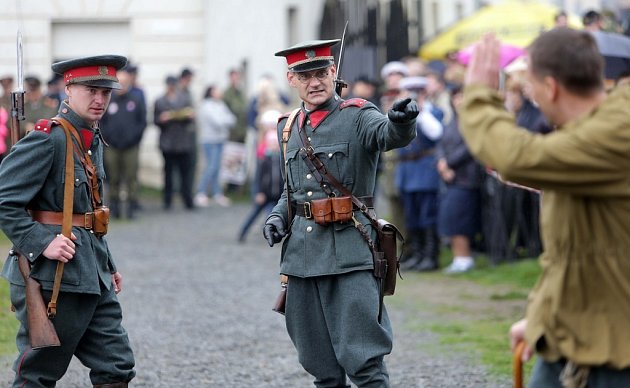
[517, 364]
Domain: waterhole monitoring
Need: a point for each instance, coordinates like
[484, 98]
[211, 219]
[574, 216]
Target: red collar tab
[309, 55]
[317, 117]
[87, 136]
[88, 73]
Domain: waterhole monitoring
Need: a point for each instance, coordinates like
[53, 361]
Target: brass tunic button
[308, 176]
[308, 122]
[330, 155]
[310, 193]
[309, 229]
[309, 138]
[30, 254]
[90, 152]
[76, 180]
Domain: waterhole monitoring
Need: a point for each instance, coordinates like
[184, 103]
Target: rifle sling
[286, 134]
[66, 226]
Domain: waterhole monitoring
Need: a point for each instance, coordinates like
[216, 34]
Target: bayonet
[340, 83]
[17, 96]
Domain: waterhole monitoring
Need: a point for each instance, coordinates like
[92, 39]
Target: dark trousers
[89, 327]
[547, 374]
[333, 323]
[182, 164]
[253, 214]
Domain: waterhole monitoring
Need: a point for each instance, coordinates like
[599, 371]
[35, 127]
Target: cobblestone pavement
[197, 306]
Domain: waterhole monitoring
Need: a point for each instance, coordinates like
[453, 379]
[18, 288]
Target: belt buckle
[307, 210]
[88, 225]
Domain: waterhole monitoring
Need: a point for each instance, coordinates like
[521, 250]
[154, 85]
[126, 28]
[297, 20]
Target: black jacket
[124, 122]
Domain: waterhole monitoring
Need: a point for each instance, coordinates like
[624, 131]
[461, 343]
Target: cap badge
[310, 54]
[102, 70]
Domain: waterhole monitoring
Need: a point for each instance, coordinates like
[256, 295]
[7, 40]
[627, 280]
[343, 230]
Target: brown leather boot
[112, 385]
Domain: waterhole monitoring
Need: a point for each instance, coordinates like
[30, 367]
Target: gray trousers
[547, 374]
[89, 327]
[333, 323]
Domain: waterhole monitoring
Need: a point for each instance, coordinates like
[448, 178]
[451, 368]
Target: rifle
[339, 83]
[41, 331]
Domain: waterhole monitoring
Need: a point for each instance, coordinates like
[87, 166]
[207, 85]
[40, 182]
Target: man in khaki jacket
[578, 315]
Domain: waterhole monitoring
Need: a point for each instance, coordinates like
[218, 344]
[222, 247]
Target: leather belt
[303, 209]
[56, 218]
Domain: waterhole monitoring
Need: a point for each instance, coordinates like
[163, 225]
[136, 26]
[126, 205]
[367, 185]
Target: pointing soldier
[333, 301]
[88, 319]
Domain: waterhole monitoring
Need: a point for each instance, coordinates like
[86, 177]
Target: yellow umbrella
[514, 22]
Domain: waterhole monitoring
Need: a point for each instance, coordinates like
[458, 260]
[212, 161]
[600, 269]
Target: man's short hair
[591, 17]
[32, 82]
[569, 56]
[186, 72]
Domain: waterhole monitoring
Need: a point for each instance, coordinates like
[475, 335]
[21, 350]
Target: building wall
[162, 37]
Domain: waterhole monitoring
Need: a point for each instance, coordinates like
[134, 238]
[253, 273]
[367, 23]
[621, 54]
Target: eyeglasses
[305, 78]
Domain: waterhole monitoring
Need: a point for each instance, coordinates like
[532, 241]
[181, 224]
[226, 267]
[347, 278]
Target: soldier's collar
[317, 115]
[86, 132]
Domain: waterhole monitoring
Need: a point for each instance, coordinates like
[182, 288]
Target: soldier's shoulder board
[44, 125]
[358, 102]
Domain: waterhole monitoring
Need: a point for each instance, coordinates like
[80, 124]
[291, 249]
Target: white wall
[161, 36]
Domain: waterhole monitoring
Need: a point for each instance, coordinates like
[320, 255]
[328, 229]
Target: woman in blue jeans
[215, 121]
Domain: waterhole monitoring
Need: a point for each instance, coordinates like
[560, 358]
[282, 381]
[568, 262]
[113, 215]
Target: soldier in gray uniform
[332, 303]
[88, 319]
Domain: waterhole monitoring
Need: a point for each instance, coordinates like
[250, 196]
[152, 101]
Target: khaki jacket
[580, 307]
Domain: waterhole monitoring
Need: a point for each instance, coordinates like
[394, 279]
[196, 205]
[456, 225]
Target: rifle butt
[41, 331]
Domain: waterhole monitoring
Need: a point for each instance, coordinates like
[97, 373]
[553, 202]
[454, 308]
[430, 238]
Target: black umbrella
[615, 48]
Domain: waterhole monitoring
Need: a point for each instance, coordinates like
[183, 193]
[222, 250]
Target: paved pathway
[197, 306]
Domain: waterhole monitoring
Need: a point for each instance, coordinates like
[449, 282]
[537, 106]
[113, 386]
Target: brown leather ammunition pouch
[333, 209]
[321, 209]
[101, 221]
[342, 209]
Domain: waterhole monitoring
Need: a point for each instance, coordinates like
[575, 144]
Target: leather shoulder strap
[312, 159]
[286, 134]
[66, 223]
[84, 157]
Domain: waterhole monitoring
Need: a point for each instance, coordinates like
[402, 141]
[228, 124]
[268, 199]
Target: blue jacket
[416, 170]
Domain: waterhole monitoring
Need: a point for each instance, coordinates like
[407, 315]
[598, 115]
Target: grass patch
[486, 339]
[8, 323]
[474, 323]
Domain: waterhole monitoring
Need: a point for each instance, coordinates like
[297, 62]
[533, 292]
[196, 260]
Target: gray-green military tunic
[88, 320]
[333, 298]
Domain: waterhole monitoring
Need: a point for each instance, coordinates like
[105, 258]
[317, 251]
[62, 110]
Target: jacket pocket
[82, 190]
[337, 161]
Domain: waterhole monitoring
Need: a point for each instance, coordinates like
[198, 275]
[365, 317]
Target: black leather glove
[274, 230]
[403, 111]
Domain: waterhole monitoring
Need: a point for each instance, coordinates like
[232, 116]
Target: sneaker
[222, 200]
[459, 266]
[201, 200]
